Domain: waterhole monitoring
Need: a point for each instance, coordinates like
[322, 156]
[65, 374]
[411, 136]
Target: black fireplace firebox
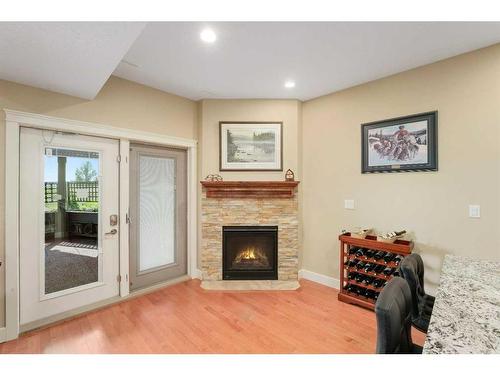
[250, 253]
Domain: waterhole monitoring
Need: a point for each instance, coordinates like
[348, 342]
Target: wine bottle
[379, 255]
[352, 250]
[379, 268]
[351, 275]
[370, 267]
[388, 271]
[360, 252]
[394, 234]
[368, 280]
[397, 259]
[360, 265]
[369, 254]
[360, 277]
[353, 262]
[352, 288]
[369, 294]
[361, 291]
[388, 257]
[378, 283]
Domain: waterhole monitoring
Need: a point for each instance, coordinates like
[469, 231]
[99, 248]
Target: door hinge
[127, 218]
[119, 158]
[119, 278]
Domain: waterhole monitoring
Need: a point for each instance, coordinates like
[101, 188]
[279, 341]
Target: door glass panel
[157, 212]
[71, 197]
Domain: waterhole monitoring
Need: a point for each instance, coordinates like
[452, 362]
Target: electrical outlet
[474, 210]
[349, 204]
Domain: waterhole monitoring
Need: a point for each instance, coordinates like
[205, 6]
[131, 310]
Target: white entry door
[69, 243]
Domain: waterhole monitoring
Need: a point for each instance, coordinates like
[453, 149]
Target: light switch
[349, 204]
[474, 210]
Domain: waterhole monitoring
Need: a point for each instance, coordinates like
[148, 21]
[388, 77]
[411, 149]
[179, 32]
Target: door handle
[113, 231]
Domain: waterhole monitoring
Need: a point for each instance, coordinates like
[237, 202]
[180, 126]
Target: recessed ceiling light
[289, 84]
[208, 36]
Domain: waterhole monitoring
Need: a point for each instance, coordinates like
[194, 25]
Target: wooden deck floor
[187, 319]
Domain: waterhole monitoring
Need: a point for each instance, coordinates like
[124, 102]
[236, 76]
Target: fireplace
[250, 253]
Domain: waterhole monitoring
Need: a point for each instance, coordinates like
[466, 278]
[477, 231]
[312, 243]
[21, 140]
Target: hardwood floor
[184, 318]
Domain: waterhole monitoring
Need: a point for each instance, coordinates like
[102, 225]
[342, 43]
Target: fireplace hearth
[250, 252]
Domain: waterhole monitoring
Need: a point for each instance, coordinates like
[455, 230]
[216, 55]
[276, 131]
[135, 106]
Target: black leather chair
[393, 311]
[412, 270]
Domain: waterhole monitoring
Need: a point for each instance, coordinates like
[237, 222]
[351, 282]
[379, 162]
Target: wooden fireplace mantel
[250, 189]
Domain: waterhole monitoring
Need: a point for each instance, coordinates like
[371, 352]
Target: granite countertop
[466, 313]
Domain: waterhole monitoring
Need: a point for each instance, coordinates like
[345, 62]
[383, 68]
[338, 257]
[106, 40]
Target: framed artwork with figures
[251, 146]
[400, 144]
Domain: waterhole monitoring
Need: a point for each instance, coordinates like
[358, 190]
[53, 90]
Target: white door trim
[11, 263]
[124, 210]
[14, 120]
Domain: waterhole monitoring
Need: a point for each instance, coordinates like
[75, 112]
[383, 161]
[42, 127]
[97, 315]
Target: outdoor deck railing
[76, 191]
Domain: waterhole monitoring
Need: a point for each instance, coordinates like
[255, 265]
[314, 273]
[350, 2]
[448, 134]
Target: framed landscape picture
[251, 146]
[401, 144]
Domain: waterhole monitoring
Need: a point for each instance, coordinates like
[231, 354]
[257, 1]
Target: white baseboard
[2, 334]
[197, 274]
[319, 278]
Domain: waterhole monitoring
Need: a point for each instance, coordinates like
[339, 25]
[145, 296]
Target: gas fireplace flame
[252, 254]
[248, 254]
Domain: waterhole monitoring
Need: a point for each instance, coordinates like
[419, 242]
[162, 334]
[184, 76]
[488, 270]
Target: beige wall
[433, 206]
[120, 103]
[213, 111]
[210, 112]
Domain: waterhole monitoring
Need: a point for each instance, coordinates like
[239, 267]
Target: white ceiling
[71, 58]
[253, 60]
[248, 60]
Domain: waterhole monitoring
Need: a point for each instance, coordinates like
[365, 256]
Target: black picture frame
[388, 145]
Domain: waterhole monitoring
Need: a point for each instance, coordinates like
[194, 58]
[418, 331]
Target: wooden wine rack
[399, 247]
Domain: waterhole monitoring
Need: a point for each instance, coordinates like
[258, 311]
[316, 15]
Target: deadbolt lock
[113, 220]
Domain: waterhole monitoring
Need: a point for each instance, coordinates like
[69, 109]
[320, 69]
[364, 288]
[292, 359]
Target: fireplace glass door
[250, 253]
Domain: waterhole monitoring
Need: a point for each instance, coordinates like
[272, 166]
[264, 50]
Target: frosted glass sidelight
[157, 212]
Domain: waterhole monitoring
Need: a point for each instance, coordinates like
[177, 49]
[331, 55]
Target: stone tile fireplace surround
[253, 203]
